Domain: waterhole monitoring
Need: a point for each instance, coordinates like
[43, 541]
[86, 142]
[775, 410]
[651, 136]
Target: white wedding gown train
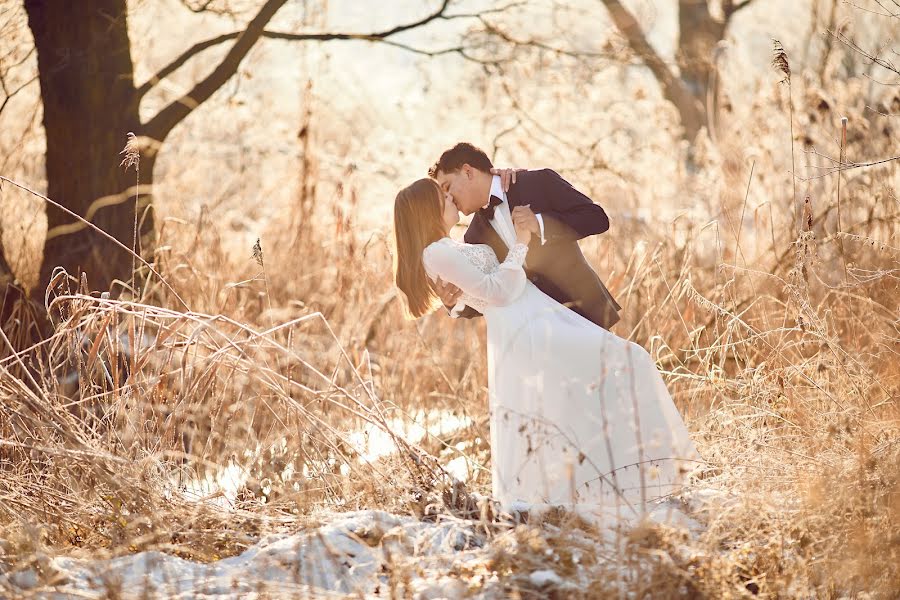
[579, 416]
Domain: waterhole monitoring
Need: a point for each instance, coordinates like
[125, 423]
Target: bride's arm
[496, 289]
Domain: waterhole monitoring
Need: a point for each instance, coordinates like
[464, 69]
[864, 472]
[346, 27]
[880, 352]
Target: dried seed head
[891, 251]
[780, 61]
[807, 212]
[258, 253]
[132, 152]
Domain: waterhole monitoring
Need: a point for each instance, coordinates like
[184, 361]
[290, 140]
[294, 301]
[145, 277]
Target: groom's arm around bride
[555, 263]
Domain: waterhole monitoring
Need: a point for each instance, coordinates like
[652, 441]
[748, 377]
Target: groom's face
[460, 184]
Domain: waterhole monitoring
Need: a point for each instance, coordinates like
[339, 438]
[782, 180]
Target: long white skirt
[579, 416]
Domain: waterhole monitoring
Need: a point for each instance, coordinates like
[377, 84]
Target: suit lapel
[519, 195]
[512, 196]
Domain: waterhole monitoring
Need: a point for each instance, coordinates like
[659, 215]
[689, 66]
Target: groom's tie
[488, 211]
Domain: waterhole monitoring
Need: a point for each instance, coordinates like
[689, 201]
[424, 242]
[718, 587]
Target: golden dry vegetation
[779, 339]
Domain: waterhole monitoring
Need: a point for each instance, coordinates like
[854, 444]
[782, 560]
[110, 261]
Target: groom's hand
[447, 292]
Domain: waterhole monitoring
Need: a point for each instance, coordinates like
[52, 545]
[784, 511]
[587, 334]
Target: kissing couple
[578, 415]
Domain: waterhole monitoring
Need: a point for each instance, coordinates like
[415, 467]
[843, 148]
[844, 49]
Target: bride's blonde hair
[418, 221]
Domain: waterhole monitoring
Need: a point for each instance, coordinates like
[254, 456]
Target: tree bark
[6, 281]
[690, 109]
[86, 77]
[5, 269]
[90, 105]
[699, 33]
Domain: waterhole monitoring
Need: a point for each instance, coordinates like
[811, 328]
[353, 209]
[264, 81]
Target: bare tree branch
[176, 64]
[160, 125]
[8, 95]
[887, 11]
[200, 8]
[489, 11]
[590, 158]
[29, 127]
[881, 62]
[438, 14]
[5, 71]
[838, 165]
[278, 35]
[692, 116]
[20, 61]
[203, 6]
[461, 50]
[511, 40]
[729, 8]
[380, 36]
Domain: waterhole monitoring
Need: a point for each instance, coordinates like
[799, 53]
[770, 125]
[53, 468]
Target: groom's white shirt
[502, 224]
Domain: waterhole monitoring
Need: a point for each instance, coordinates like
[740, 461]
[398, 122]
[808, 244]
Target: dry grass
[781, 350]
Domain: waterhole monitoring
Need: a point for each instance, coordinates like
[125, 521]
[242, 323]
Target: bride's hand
[507, 176]
[447, 292]
[523, 236]
[522, 221]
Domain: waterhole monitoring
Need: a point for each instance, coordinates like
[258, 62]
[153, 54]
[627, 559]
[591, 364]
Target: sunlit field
[248, 413]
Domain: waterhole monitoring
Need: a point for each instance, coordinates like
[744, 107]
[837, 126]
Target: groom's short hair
[457, 156]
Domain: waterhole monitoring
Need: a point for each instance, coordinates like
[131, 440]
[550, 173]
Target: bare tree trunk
[6, 281]
[690, 109]
[91, 104]
[699, 33]
[21, 325]
[829, 40]
[5, 269]
[86, 77]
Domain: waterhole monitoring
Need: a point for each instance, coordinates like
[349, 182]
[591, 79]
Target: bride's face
[451, 213]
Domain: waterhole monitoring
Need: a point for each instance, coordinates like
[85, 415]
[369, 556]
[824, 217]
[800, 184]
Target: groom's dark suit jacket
[557, 268]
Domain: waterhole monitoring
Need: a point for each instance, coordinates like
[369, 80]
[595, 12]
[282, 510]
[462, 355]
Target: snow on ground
[363, 553]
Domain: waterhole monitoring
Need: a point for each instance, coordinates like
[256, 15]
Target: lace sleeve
[497, 288]
[516, 257]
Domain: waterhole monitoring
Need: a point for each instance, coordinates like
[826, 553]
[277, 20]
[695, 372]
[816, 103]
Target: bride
[579, 416]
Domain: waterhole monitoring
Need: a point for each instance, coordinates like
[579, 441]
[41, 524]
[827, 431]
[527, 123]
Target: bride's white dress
[579, 416]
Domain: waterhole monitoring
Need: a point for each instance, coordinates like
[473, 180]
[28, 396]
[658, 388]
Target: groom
[555, 212]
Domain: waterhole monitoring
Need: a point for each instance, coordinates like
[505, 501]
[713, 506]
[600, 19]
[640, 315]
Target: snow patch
[362, 552]
[545, 577]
